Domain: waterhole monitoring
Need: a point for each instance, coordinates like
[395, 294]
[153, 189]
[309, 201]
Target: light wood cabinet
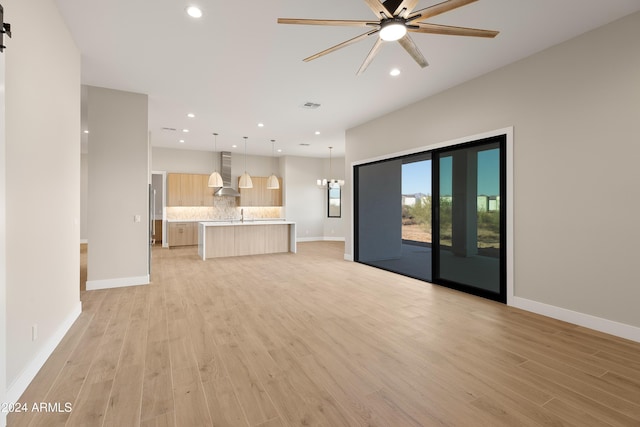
[183, 233]
[249, 239]
[207, 191]
[174, 189]
[260, 195]
[190, 190]
[277, 238]
[186, 189]
[221, 241]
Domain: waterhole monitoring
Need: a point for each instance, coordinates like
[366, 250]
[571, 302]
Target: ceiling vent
[304, 144]
[170, 129]
[310, 105]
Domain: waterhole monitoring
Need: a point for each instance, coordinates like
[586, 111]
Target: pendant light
[215, 180]
[331, 182]
[272, 181]
[245, 179]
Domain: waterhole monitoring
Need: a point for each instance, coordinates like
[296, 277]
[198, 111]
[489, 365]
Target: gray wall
[84, 195]
[42, 187]
[118, 188]
[575, 110]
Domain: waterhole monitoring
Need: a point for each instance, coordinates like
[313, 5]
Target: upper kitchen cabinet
[260, 195]
[184, 189]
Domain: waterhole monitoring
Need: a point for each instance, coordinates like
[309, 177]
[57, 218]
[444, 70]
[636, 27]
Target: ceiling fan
[395, 19]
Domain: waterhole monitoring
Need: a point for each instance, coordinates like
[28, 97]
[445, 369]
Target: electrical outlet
[34, 332]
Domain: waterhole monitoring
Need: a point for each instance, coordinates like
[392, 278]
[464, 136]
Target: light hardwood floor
[309, 339]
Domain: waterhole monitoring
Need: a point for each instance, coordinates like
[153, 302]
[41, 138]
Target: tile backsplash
[223, 208]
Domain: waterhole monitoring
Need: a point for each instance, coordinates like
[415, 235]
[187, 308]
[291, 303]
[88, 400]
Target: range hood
[226, 190]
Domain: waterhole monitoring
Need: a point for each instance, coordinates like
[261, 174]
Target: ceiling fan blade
[378, 9]
[372, 54]
[334, 22]
[452, 31]
[341, 45]
[407, 43]
[404, 8]
[437, 9]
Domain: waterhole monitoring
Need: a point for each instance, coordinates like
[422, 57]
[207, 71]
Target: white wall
[3, 248]
[42, 186]
[304, 201]
[575, 109]
[333, 228]
[195, 161]
[118, 188]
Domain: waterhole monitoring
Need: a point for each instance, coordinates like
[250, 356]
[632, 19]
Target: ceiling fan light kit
[395, 18]
[392, 29]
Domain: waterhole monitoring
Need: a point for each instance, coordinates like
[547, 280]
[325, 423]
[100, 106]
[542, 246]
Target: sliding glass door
[437, 215]
[469, 240]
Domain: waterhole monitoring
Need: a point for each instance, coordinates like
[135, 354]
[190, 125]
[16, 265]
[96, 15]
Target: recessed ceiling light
[191, 115]
[185, 130]
[181, 141]
[394, 72]
[317, 132]
[194, 12]
[86, 131]
[260, 125]
[234, 146]
[279, 150]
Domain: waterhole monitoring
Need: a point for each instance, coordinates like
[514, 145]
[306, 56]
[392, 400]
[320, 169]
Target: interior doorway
[156, 214]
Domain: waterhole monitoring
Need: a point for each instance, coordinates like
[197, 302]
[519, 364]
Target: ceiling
[236, 67]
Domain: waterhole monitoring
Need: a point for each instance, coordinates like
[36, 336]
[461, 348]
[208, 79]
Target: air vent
[310, 105]
[170, 129]
[304, 144]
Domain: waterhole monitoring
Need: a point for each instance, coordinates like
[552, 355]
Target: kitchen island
[251, 237]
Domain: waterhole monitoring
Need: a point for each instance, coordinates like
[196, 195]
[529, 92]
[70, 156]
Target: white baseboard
[320, 239]
[348, 257]
[309, 239]
[15, 390]
[588, 321]
[121, 282]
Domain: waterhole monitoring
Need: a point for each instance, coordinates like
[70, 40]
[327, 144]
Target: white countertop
[227, 221]
[246, 222]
